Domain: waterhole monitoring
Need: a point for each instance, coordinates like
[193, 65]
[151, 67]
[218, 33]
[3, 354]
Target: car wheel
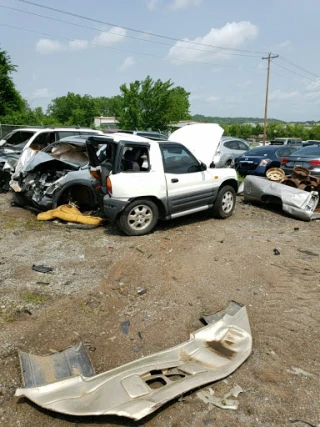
[139, 218]
[229, 164]
[18, 199]
[225, 202]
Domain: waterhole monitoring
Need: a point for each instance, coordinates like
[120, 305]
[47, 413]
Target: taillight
[264, 162]
[314, 162]
[284, 161]
[95, 174]
[109, 185]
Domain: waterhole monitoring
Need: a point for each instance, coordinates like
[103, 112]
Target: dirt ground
[188, 267]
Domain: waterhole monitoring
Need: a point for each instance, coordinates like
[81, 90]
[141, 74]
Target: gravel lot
[188, 267]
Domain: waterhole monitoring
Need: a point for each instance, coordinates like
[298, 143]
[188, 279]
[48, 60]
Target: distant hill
[232, 120]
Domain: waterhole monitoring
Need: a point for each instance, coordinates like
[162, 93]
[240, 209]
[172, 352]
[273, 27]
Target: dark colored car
[310, 142]
[308, 157]
[259, 159]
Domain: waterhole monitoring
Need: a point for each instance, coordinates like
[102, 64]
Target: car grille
[247, 166]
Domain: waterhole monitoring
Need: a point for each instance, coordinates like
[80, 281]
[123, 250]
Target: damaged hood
[42, 158]
[201, 139]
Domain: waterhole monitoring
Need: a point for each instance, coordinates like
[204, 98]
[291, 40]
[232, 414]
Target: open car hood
[201, 139]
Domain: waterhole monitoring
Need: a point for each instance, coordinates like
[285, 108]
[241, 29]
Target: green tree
[150, 104]
[10, 99]
[73, 109]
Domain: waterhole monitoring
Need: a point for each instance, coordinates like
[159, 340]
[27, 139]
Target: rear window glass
[308, 151]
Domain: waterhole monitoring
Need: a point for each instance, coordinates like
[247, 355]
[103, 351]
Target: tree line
[145, 105]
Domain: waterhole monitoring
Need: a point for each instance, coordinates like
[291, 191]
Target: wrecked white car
[297, 203]
[151, 180]
[57, 175]
[65, 382]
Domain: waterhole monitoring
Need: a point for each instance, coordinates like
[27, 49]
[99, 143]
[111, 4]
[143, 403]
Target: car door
[188, 185]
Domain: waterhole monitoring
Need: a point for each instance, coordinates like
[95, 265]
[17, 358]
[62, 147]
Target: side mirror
[203, 166]
[212, 165]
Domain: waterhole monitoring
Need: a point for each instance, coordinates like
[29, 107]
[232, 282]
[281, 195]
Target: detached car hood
[201, 139]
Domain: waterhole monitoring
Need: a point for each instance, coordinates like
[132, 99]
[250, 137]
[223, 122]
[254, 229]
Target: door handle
[174, 180]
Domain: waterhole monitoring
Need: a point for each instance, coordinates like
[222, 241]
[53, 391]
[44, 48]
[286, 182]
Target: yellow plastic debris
[69, 213]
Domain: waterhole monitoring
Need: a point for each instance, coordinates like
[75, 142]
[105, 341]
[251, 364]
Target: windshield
[18, 136]
[313, 150]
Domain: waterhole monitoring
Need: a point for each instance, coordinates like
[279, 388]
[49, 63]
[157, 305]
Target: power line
[138, 31]
[298, 66]
[116, 34]
[160, 35]
[293, 72]
[123, 50]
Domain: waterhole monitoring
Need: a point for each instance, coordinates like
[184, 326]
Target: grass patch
[33, 298]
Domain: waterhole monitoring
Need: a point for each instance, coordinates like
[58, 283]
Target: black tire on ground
[225, 202]
[19, 199]
[139, 218]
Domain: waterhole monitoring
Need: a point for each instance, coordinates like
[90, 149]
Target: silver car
[228, 150]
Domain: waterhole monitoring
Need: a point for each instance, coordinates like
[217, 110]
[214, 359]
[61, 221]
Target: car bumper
[112, 207]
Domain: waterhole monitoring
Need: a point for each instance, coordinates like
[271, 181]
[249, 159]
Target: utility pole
[269, 57]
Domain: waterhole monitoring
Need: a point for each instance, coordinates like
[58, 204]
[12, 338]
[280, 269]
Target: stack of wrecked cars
[133, 180]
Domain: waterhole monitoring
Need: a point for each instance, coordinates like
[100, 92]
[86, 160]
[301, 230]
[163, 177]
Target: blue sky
[96, 58]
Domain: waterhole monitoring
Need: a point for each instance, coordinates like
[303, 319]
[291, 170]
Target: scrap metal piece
[207, 396]
[295, 202]
[41, 268]
[40, 370]
[142, 386]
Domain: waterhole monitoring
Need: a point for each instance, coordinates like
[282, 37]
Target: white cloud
[213, 98]
[152, 4]
[279, 95]
[49, 46]
[107, 38]
[181, 4]
[41, 94]
[78, 44]
[314, 86]
[128, 62]
[245, 84]
[232, 35]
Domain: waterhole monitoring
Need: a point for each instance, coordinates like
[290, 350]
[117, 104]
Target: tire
[229, 164]
[19, 200]
[225, 202]
[139, 218]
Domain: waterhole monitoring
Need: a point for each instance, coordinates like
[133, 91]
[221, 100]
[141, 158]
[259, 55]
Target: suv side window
[42, 140]
[135, 159]
[232, 145]
[19, 136]
[177, 159]
[65, 134]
